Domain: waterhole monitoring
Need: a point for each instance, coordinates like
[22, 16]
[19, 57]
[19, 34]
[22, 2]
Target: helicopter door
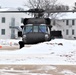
[12, 30]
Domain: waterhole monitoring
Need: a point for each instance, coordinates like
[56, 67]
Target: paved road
[12, 47]
[37, 70]
[9, 47]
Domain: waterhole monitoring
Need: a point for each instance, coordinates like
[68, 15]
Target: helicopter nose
[35, 38]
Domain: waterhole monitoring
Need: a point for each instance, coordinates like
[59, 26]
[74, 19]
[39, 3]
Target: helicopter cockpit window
[35, 28]
[28, 29]
[42, 28]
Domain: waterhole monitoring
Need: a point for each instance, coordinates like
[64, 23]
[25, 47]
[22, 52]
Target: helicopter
[37, 29]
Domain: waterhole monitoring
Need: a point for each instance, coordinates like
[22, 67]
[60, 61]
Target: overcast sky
[20, 3]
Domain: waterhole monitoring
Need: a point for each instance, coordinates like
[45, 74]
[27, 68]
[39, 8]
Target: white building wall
[68, 16]
[70, 27]
[61, 25]
[7, 24]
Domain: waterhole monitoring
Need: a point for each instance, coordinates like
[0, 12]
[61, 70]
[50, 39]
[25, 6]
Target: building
[67, 24]
[10, 23]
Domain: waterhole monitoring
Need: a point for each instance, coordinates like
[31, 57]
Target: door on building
[12, 29]
[70, 33]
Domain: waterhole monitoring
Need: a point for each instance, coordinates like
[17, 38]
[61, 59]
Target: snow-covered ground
[54, 52]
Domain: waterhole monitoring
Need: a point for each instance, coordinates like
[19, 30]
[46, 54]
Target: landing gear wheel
[21, 44]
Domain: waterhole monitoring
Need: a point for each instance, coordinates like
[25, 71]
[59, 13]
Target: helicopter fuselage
[32, 34]
[35, 30]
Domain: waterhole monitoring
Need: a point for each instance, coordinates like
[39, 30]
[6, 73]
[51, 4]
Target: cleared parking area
[9, 47]
[38, 69]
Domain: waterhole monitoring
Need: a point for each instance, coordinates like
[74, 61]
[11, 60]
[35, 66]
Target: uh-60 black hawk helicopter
[37, 29]
[34, 30]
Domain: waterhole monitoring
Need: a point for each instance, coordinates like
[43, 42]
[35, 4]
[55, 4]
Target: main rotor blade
[30, 11]
[59, 11]
[44, 11]
[13, 11]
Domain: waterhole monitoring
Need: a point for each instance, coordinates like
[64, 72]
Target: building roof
[26, 15]
[8, 9]
[69, 15]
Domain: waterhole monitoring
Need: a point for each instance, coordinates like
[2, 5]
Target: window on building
[3, 19]
[72, 31]
[21, 20]
[2, 31]
[67, 22]
[67, 32]
[73, 22]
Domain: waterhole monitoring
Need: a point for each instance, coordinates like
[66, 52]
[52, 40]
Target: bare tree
[45, 5]
[20, 9]
[41, 4]
[74, 8]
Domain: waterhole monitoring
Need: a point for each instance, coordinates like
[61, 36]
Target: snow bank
[57, 51]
